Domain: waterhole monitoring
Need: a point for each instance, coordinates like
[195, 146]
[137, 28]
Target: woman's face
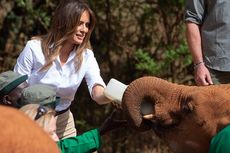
[51, 130]
[82, 29]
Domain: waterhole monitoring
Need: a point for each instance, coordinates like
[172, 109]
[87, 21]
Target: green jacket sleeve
[220, 143]
[86, 143]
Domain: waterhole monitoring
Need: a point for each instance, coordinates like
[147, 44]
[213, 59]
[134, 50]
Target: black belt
[61, 112]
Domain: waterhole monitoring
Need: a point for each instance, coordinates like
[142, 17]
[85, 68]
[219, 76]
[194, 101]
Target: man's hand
[202, 76]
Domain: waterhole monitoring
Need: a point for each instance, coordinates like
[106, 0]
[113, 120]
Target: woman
[86, 143]
[62, 59]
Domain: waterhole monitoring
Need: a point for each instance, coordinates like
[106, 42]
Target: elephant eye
[186, 104]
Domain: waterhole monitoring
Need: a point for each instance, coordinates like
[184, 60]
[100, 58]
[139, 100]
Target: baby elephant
[186, 117]
[19, 134]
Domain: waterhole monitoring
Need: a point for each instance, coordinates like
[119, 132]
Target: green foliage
[25, 4]
[172, 3]
[178, 54]
[34, 13]
[145, 64]
[21, 3]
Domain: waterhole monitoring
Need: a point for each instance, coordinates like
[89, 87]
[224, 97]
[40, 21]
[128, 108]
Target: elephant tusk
[148, 116]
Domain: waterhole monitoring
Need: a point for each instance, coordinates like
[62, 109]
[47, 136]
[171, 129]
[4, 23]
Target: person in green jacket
[220, 143]
[87, 142]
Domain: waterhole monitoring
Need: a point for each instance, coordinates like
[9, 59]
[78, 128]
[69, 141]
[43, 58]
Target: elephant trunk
[141, 96]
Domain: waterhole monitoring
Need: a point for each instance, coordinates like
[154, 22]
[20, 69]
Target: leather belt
[62, 111]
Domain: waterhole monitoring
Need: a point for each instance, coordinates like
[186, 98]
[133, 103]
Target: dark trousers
[220, 77]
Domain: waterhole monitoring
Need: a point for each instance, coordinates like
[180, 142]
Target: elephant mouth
[161, 127]
[136, 107]
[159, 123]
[146, 107]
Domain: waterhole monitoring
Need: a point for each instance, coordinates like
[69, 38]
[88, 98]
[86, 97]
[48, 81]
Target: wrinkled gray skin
[186, 117]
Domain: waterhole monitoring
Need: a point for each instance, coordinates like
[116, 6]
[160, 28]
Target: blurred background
[132, 39]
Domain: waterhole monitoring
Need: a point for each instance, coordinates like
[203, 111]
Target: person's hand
[110, 124]
[202, 76]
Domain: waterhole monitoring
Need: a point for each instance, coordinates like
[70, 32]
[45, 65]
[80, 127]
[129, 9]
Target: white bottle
[115, 90]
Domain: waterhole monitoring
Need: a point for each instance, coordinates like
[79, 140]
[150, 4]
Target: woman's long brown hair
[66, 18]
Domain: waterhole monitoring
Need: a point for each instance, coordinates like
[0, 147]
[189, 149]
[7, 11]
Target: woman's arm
[98, 95]
[94, 80]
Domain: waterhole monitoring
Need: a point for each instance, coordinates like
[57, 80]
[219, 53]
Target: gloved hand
[110, 124]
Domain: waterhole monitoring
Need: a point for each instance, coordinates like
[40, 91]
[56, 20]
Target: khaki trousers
[65, 125]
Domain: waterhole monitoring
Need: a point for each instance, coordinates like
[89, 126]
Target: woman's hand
[98, 94]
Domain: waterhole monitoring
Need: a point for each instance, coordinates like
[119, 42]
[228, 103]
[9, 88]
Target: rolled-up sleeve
[194, 11]
[92, 75]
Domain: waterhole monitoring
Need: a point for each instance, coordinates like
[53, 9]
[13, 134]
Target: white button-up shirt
[64, 79]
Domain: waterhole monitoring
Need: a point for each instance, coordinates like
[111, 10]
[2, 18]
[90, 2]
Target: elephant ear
[136, 97]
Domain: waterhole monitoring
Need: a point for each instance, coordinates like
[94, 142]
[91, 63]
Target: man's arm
[194, 41]
[193, 35]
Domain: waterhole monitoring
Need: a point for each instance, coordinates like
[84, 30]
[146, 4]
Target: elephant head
[186, 117]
